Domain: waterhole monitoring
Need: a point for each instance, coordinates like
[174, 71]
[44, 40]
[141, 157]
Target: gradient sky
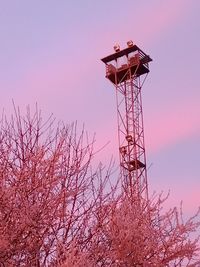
[50, 53]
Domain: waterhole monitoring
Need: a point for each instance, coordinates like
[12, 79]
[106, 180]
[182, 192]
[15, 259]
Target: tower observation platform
[137, 64]
[127, 70]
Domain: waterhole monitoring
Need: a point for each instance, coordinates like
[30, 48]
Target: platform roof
[123, 52]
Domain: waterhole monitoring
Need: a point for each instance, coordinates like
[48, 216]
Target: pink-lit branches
[56, 210]
[131, 231]
[47, 189]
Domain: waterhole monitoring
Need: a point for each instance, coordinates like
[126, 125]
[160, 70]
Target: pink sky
[51, 54]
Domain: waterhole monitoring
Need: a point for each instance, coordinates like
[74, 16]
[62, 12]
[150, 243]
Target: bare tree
[47, 188]
[132, 231]
[56, 210]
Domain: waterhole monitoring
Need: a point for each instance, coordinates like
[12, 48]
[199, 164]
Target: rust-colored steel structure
[127, 70]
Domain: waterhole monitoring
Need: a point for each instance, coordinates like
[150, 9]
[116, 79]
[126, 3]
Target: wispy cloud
[171, 125]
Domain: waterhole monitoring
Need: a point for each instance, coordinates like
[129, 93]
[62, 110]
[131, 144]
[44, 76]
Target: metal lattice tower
[127, 70]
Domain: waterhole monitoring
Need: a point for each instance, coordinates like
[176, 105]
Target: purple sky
[50, 53]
